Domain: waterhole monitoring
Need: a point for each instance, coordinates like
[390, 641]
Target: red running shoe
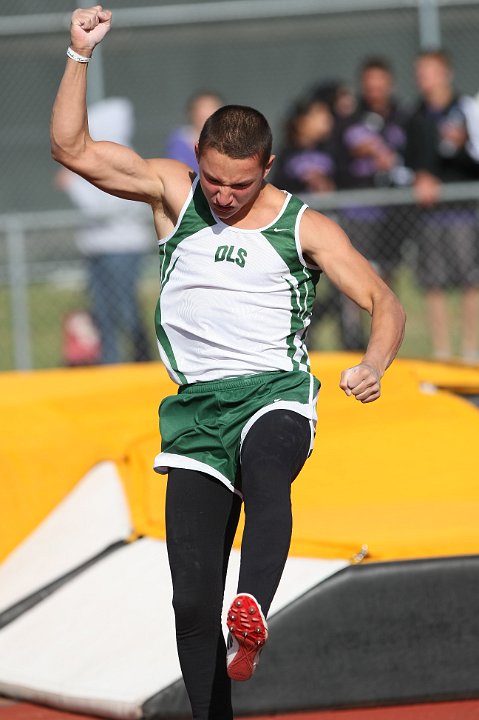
[248, 633]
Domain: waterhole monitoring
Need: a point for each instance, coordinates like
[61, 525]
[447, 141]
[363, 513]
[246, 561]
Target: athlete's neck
[261, 211]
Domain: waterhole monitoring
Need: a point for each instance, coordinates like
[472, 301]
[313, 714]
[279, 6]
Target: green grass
[49, 303]
[48, 306]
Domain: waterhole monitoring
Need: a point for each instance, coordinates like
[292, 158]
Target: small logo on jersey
[231, 254]
[280, 229]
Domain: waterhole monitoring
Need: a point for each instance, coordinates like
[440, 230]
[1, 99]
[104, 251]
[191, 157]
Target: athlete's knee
[198, 605]
[197, 595]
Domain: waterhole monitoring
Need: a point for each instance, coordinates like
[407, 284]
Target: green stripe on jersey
[196, 217]
[302, 281]
[166, 345]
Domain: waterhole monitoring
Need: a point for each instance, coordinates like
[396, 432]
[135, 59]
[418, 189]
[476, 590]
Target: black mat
[374, 634]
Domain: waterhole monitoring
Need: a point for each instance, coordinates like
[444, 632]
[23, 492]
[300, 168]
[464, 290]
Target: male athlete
[239, 260]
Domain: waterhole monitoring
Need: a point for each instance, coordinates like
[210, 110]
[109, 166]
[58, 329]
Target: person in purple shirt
[305, 162]
[180, 144]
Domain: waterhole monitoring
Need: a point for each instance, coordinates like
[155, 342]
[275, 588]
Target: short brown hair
[439, 54]
[239, 132]
[375, 63]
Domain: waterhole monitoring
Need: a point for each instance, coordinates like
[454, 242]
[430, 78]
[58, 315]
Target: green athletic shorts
[204, 425]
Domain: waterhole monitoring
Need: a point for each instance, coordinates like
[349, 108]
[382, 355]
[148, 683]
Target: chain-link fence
[263, 53]
[44, 278]
[430, 257]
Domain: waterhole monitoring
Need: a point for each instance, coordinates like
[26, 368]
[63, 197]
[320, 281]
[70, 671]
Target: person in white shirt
[114, 240]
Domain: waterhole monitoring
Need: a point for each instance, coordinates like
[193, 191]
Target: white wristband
[75, 56]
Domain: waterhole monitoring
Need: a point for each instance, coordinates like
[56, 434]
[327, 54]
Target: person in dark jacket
[370, 154]
[369, 151]
[439, 151]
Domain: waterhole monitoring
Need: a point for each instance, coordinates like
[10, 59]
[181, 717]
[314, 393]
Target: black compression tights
[201, 520]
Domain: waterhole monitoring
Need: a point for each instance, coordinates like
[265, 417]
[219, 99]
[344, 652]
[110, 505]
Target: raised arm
[327, 246]
[112, 167]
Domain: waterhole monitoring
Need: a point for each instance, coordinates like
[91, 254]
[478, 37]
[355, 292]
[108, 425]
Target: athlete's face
[230, 185]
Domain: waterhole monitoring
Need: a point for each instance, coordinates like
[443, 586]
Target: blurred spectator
[370, 147]
[305, 162]
[370, 153]
[114, 242]
[442, 150]
[338, 95]
[181, 142]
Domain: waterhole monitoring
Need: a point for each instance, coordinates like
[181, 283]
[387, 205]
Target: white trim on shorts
[307, 410]
[164, 461]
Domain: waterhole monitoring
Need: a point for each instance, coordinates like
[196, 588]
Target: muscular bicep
[328, 247]
[120, 171]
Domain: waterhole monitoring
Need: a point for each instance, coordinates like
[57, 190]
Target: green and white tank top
[232, 301]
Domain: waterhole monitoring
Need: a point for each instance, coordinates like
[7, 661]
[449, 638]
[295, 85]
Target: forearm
[387, 332]
[69, 122]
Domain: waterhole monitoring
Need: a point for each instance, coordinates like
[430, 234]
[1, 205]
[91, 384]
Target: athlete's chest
[233, 259]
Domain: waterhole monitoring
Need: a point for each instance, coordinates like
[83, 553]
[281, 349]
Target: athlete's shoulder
[172, 172]
[314, 220]
[318, 231]
[177, 180]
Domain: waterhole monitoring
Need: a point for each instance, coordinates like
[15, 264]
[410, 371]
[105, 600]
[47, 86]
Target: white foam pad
[105, 642]
[92, 517]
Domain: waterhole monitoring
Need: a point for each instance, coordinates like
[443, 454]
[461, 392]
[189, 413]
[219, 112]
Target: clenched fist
[88, 28]
[362, 381]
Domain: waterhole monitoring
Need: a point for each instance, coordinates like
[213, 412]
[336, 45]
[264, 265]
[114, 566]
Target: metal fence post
[429, 24]
[18, 282]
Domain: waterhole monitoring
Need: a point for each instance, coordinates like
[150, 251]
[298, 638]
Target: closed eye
[241, 186]
[234, 186]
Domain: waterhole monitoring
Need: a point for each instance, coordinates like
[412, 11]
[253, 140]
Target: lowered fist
[88, 28]
[362, 381]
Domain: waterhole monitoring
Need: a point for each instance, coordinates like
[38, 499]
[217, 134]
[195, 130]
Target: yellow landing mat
[459, 378]
[400, 475]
